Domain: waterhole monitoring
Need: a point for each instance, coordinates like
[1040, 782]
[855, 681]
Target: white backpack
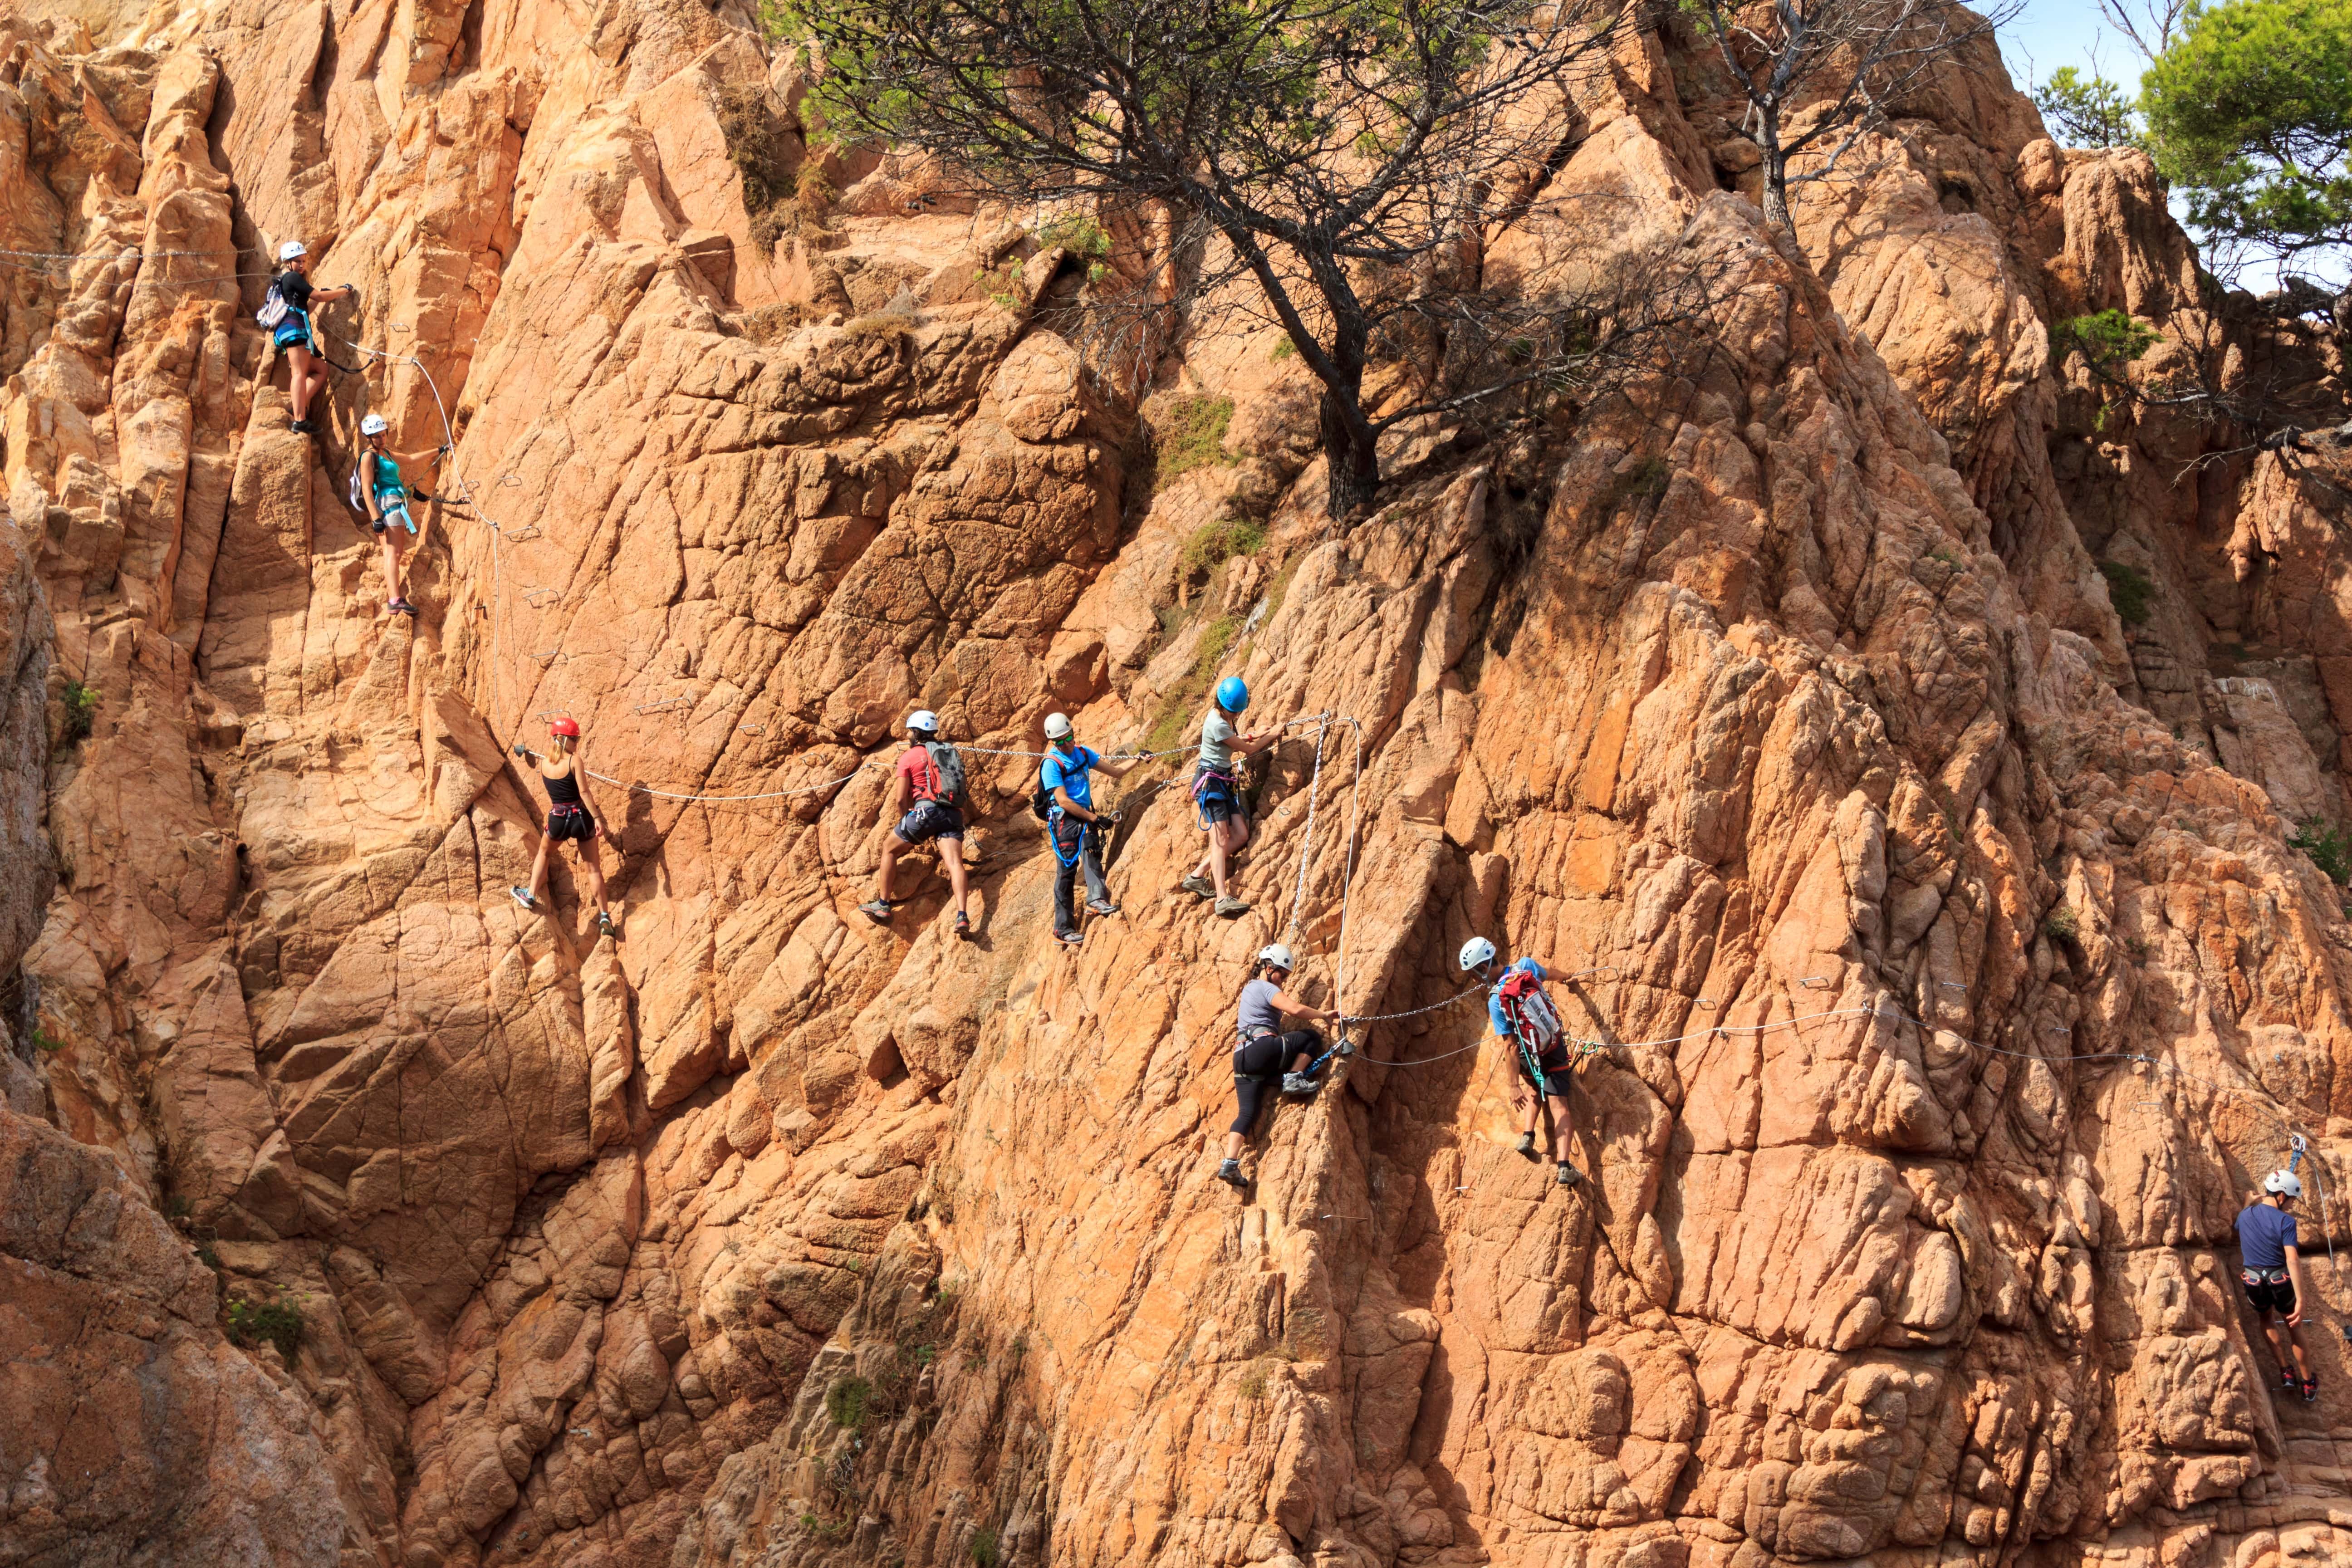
[273, 308]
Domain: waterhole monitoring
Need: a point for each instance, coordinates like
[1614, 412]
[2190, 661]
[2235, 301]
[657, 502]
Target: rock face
[1922, 774]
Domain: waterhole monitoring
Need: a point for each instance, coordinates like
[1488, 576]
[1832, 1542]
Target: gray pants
[1068, 834]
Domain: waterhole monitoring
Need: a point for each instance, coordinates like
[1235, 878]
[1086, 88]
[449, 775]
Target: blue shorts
[930, 819]
[394, 510]
[293, 332]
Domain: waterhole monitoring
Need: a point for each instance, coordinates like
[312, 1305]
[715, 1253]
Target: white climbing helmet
[1478, 953]
[2286, 1183]
[1058, 726]
[1274, 952]
[374, 424]
[923, 719]
[291, 249]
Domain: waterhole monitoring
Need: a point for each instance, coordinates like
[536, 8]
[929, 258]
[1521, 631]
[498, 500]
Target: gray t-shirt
[1257, 1009]
[1217, 744]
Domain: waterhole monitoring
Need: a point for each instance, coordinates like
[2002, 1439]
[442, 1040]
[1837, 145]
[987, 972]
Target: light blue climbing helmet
[1233, 694]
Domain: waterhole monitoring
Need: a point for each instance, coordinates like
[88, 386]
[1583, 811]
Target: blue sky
[2054, 33]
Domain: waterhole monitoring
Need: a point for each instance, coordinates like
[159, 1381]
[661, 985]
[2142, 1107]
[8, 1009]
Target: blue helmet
[1232, 695]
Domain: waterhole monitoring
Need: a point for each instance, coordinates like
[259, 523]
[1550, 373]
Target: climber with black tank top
[293, 333]
[570, 816]
[1264, 1046]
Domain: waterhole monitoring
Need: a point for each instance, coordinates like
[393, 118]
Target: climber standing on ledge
[382, 491]
[1219, 798]
[292, 330]
[2273, 1275]
[1522, 1014]
[1072, 818]
[922, 790]
[1265, 1046]
[570, 815]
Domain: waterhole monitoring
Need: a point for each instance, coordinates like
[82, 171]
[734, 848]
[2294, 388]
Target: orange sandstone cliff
[1902, 740]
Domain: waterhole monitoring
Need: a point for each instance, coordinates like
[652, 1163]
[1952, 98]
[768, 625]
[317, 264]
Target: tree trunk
[1775, 192]
[1352, 456]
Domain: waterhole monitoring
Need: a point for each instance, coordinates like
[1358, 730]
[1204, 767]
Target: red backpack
[1529, 1012]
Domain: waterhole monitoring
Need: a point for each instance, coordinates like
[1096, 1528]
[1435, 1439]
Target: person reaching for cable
[385, 497]
[1521, 1013]
[571, 815]
[1073, 820]
[1265, 1046]
[289, 327]
[1219, 796]
[2271, 1271]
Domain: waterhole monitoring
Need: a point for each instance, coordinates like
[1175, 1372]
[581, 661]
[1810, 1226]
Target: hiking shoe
[1569, 1176]
[2287, 1381]
[1526, 1144]
[1200, 887]
[2311, 1391]
[1230, 1172]
[964, 925]
[1068, 937]
[1102, 907]
[404, 607]
[1231, 907]
[522, 896]
[1299, 1083]
[876, 910]
[606, 925]
[299, 426]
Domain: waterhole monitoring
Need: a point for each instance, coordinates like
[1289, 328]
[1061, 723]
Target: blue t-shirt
[1067, 771]
[2263, 1235]
[1494, 995]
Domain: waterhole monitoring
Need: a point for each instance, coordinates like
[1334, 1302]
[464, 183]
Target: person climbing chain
[1219, 798]
[1265, 1046]
[2272, 1273]
[384, 496]
[570, 815]
[929, 804]
[1072, 820]
[1521, 1013]
[294, 295]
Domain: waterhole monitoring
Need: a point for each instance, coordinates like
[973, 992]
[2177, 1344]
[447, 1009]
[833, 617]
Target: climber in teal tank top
[383, 494]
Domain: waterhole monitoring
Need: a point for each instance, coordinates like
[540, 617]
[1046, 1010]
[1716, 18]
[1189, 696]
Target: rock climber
[293, 334]
[1265, 1046]
[2271, 1271]
[1522, 1014]
[570, 815]
[1071, 820]
[923, 799]
[1219, 798]
[385, 496]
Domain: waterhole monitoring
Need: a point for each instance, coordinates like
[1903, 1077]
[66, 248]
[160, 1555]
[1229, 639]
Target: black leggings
[1257, 1067]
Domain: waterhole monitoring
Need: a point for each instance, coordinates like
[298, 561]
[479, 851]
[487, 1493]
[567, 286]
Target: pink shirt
[915, 764]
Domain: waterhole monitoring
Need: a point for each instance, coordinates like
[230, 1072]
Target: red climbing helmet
[565, 726]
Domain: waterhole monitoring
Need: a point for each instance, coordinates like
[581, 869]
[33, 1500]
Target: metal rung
[665, 704]
[523, 535]
[550, 656]
[538, 596]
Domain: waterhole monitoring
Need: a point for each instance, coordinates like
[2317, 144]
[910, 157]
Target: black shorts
[2270, 1289]
[1555, 1078]
[930, 819]
[570, 821]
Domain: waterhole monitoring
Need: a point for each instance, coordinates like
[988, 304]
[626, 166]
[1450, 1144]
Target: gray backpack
[951, 770]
